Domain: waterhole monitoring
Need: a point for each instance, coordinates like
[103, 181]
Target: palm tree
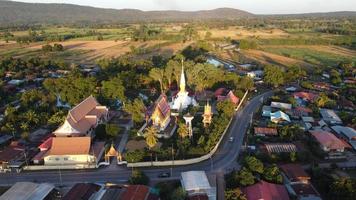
[151, 137]
[183, 130]
[32, 117]
[24, 126]
[158, 75]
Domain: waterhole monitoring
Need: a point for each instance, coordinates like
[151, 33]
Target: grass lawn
[310, 55]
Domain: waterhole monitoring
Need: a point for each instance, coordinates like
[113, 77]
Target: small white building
[256, 75]
[280, 105]
[197, 183]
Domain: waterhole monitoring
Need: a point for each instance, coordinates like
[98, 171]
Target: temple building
[182, 100]
[161, 113]
[83, 118]
[208, 115]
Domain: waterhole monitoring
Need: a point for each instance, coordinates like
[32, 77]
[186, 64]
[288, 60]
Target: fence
[188, 161]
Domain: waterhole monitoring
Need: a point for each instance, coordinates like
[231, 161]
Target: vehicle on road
[164, 175]
[231, 139]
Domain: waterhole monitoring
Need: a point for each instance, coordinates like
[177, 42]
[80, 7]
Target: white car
[231, 139]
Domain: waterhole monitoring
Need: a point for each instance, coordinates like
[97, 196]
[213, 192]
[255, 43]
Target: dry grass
[270, 58]
[238, 33]
[323, 48]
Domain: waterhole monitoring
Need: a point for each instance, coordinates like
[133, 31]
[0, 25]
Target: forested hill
[12, 12]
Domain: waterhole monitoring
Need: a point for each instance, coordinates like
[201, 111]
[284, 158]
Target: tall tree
[274, 75]
[136, 109]
[151, 137]
[157, 74]
[113, 89]
[183, 130]
[254, 164]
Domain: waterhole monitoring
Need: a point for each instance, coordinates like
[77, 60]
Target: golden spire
[182, 79]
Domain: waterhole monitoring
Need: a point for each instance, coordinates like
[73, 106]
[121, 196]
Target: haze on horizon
[253, 6]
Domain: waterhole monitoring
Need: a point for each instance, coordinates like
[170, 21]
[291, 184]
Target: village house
[71, 151]
[262, 131]
[294, 173]
[197, 183]
[330, 117]
[305, 97]
[271, 148]
[264, 190]
[223, 94]
[280, 105]
[83, 119]
[29, 191]
[12, 158]
[279, 117]
[346, 133]
[329, 143]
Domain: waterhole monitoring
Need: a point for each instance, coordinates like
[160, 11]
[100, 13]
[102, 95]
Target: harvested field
[238, 33]
[270, 58]
[85, 45]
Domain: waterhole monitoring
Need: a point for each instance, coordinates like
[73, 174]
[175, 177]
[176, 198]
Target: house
[266, 191]
[304, 191]
[11, 157]
[291, 89]
[197, 183]
[301, 111]
[280, 147]
[329, 116]
[74, 151]
[138, 192]
[83, 118]
[30, 191]
[83, 191]
[222, 94]
[262, 131]
[246, 66]
[305, 96]
[256, 75]
[266, 111]
[295, 173]
[346, 133]
[279, 117]
[160, 113]
[280, 105]
[329, 143]
[5, 139]
[15, 82]
[321, 86]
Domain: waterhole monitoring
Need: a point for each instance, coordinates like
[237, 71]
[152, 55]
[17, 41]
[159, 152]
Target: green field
[311, 56]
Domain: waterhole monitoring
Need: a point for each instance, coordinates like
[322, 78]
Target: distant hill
[12, 12]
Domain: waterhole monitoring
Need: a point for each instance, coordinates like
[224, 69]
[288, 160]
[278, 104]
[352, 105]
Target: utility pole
[211, 163]
[172, 160]
[60, 174]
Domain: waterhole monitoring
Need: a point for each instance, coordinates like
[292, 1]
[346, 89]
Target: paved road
[224, 158]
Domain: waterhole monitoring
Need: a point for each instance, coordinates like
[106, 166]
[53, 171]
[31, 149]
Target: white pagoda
[182, 100]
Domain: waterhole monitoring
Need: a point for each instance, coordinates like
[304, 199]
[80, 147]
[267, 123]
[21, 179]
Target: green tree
[253, 164]
[112, 130]
[178, 194]
[335, 77]
[57, 118]
[139, 178]
[325, 101]
[274, 75]
[136, 109]
[134, 156]
[158, 75]
[151, 137]
[226, 108]
[343, 189]
[183, 146]
[182, 130]
[272, 174]
[245, 177]
[113, 89]
[234, 194]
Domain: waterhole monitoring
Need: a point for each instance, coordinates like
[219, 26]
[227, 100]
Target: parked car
[231, 139]
[164, 175]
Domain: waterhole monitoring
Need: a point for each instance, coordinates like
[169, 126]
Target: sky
[254, 6]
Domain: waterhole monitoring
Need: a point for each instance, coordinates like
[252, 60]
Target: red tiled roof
[294, 172]
[10, 153]
[234, 99]
[303, 109]
[136, 192]
[266, 191]
[70, 146]
[81, 191]
[220, 92]
[328, 140]
[306, 95]
[46, 145]
[266, 131]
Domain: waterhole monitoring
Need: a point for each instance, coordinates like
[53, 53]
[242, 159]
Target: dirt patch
[270, 58]
[85, 45]
[238, 33]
